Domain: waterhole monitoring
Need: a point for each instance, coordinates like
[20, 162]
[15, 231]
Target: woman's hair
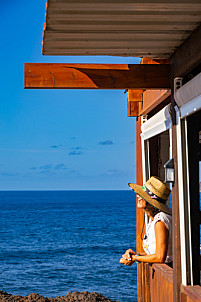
[152, 210]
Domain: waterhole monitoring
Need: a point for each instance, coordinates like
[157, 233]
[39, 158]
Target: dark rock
[70, 297]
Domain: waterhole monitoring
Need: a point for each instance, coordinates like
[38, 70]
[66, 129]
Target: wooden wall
[161, 283]
[156, 283]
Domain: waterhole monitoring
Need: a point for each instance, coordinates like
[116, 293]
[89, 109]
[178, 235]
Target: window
[194, 159]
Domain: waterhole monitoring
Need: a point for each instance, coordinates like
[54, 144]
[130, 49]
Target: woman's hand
[126, 262]
[127, 258]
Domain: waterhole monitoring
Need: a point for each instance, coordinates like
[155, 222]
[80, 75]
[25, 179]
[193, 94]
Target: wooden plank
[187, 56]
[96, 76]
[151, 99]
[164, 270]
[134, 97]
[139, 281]
[147, 283]
[183, 298]
[161, 283]
[191, 293]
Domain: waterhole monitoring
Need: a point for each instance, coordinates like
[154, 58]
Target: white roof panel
[148, 28]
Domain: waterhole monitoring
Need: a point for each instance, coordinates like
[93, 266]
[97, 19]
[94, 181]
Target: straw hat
[154, 192]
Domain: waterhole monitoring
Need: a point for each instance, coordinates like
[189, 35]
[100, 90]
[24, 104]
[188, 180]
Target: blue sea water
[54, 242]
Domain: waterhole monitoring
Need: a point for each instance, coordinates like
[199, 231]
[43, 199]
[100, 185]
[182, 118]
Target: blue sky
[58, 139]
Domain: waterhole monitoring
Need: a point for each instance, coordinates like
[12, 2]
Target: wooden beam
[134, 101]
[187, 56]
[96, 76]
[146, 60]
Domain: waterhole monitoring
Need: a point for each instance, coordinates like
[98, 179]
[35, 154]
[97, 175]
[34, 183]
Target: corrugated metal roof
[115, 27]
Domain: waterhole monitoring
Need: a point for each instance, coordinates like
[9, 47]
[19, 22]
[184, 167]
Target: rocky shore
[70, 297]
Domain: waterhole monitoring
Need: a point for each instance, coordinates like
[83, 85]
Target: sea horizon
[16, 190]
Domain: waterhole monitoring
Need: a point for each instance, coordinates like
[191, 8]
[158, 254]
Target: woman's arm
[162, 234]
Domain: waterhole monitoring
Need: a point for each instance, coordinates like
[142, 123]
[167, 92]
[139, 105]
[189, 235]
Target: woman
[157, 242]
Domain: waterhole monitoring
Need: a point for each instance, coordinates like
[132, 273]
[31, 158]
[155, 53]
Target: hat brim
[162, 207]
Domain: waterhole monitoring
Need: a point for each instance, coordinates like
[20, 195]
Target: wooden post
[134, 100]
[187, 56]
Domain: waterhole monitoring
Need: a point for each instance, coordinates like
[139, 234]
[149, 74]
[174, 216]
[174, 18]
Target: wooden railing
[155, 283]
[190, 293]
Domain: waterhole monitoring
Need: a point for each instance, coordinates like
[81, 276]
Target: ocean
[55, 242]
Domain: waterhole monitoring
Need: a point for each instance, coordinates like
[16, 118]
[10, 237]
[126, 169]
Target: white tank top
[149, 243]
